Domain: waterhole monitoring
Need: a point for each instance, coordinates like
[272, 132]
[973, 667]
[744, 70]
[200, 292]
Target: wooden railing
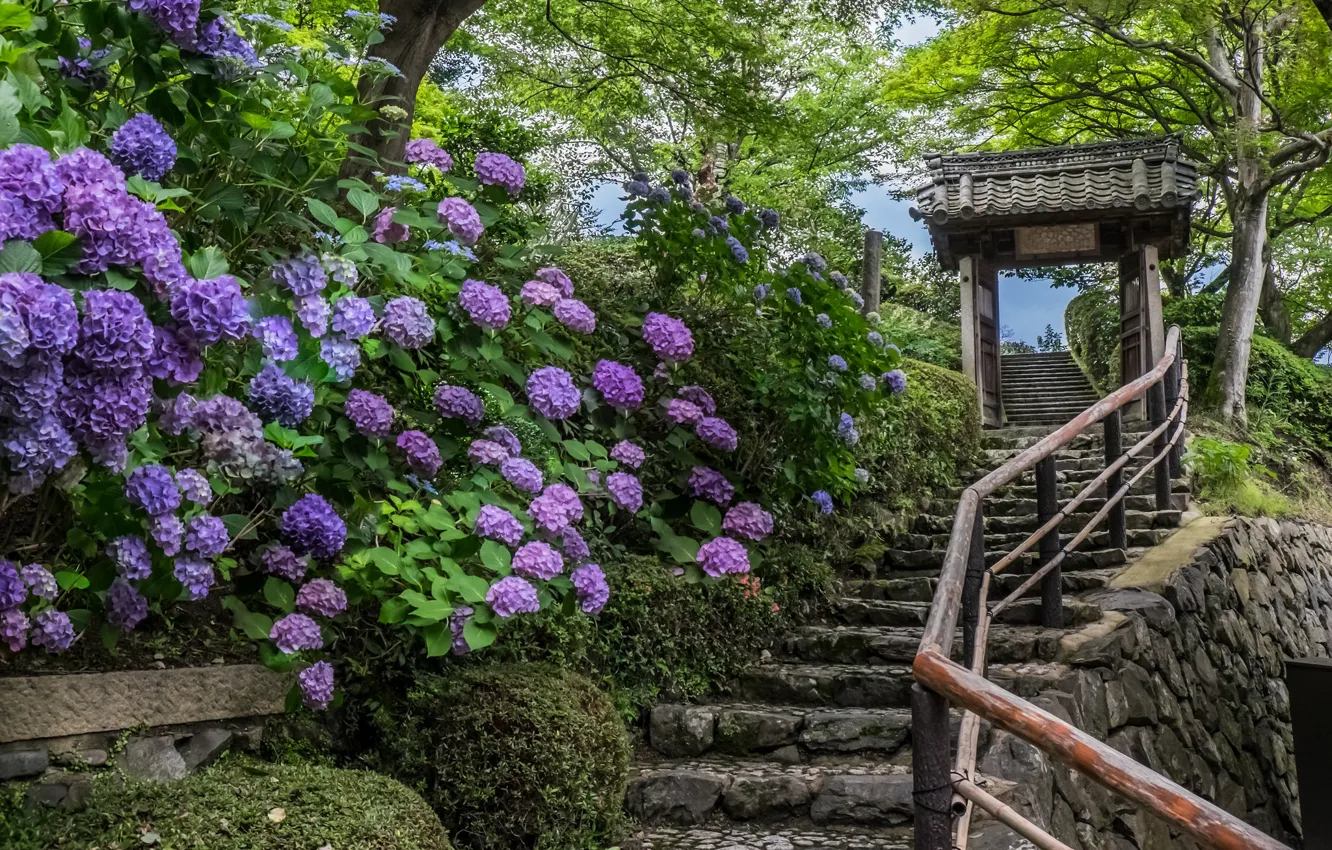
[945, 791]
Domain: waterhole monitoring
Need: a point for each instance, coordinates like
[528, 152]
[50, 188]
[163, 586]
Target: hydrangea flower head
[590, 585]
[573, 545]
[668, 337]
[142, 147]
[462, 220]
[206, 536]
[552, 393]
[133, 560]
[39, 581]
[681, 412]
[895, 381]
[748, 520]
[52, 631]
[408, 323]
[846, 429]
[296, 632]
[555, 509]
[210, 311]
[194, 486]
[522, 473]
[29, 178]
[154, 489]
[321, 596]
[276, 397]
[710, 484]
[505, 437]
[280, 561]
[13, 592]
[823, 500]
[794, 295]
[340, 269]
[496, 169]
[353, 316]
[538, 560]
[277, 337]
[13, 629]
[700, 397]
[342, 355]
[762, 291]
[458, 626]
[125, 606]
[303, 274]
[371, 415]
[575, 315]
[723, 556]
[556, 278]
[426, 152]
[386, 230]
[168, 531]
[115, 333]
[717, 433]
[486, 305]
[626, 491]
[195, 574]
[628, 454]
[838, 279]
[452, 402]
[875, 339]
[316, 682]
[495, 523]
[421, 452]
[487, 453]
[536, 293]
[312, 526]
[512, 595]
[856, 299]
[175, 358]
[618, 384]
[861, 475]
[869, 383]
[837, 363]
[823, 320]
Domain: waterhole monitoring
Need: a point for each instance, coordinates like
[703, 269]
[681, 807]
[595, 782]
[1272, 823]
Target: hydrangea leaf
[706, 518]
[322, 212]
[479, 635]
[280, 594]
[496, 556]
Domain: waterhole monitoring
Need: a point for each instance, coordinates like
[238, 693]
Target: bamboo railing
[945, 792]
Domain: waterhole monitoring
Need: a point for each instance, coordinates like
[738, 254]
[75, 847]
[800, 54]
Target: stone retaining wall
[1187, 676]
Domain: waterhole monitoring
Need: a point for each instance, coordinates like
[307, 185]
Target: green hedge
[921, 336]
[1091, 323]
[230, 807]
[511, 756]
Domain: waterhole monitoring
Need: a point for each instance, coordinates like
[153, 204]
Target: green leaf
[479, 635]
[501, 395]
[9, 112]
[706, 518]
[438, 639]
[472, 588]
[70, 124]
[20, 256]
[364, 201]
[386, 559]
[53, 241]
[322, 211]
[432, 609]
[79, 540]
[236, 523]
[393, 610]
[595, 449]
[682, 549]
[495, 556]
[280, 594]
[577, 450]
[123, 282]
[208, 263]
[110, 637]
[14, 17]
[437, 517]
[71, 581]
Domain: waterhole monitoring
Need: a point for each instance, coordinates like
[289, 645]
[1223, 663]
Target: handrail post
[1156, 409]
[1047, 505]
[1174, 385]
[971, 586]
[932, 789]
[1117, 521]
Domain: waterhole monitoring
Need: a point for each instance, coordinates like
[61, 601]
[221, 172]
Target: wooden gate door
[1132, 320]
[987, 314]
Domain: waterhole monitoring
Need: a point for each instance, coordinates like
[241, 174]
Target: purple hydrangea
[495, 523]
[353, 316]
[668, 337]
[749, 521]
[723, 556]
[626, 491]
[421, 453]
[856, 299]
[427, 152]
[342, 355]
[13, 592]
[459, 403]
[895, 381]
[738, 250]
[296, 632]
[552, 393]
[505, 437]
[195, 574]
[40, 582]
[538, 560]
[153, 489]
[276, 397]
[573, 546]
[717, 433]
[388, 231]
[711, 485]
[125, 606]
[461, 219]
[312, 526]
[618, 384]
[487, 453]
[522, 473]
[408, 323]
[52, 631]
[206, 536]
[762, 291]
[316, 683]
[115, 334]
[280, 561]
[211, 310]
[794, 295]
[323, 597]
[301, 275]
[575, 315]
[458, 625]
[175, 358]
[39, 448]
[28, 394]
[13, 629]
[837, 363]
[556, 509]
[823, 500]
[132, 558]
[846, 430]
[875, 339]
[101, 409]
[484, 304]
[369, 413]
[813, 262]
[277, 337]
[628, 454]
[168, 531]
[142, 147]
[556, 278]
[590, 584]
[681, 412]
[838, 279]
[340, 269]
[314, 312]
[512, 595]
[496, 169]
[700, 397]
[823, 320]
[194, 486]
[869, 383]
[27, 175]
[536, 293]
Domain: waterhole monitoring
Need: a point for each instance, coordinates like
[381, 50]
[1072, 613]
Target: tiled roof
[1142, 174]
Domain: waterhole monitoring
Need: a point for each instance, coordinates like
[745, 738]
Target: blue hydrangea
[795, 296]
[837, 363]
[823, 500]
[868, 383]
[762, 291]
[738, 251]
[353, 316]
[277, 337]
[846, 430]
[279, 398]
[142, 147]
[342, 355]
[823, 320]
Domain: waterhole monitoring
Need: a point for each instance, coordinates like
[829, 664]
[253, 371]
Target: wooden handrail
[941, 680]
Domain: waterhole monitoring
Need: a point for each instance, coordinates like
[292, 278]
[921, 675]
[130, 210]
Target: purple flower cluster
[194, 486]
[175, 358]
[505, 437]
[316, 683]
[312, 526]
[277, 337]
[590, 585]
[280, 561]
[321, 596]
[711, 485]
[575, 315]
[512, 595]
[484, 304]
[552, 393]
[279, 398]
[723, 556]
[13, 629]
[823, 500]
[618, 384]
[153, 489]
[13, 592]
[626, 491]
[314, 312]
[837, 363]
[296, 632]
[668, 337]
[458, 626]
[846, 430]
[628, 454]
[895, 381]
[408, 323]
[462, 220]
[369, 413]
[681, 412]
[700, 397]
[195, 574]
[496, 169]
[426, 152]
[421, 452]
[556, 278]
[133, 561]
[522, 473]
[52, 631]
[487, 453]
[206, 536]
[749, 521]
[556, 509]
[210, 311]
[179, 19]
[353, 316]
[39, 581]
[459, 403]
[142, 147]
[342, 355]
[717, 433]
[536, 293]
[125, 606]
[388, 231]
[495, 523]
[168, 531]
[538, 560]
[869, 383]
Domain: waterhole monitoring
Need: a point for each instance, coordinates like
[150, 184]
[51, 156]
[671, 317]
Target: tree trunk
[1315, 339]
[422, 28]
[1230, 367]
[1272, 304]
[1325, 9]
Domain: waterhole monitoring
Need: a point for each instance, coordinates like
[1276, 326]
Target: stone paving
[745, 838]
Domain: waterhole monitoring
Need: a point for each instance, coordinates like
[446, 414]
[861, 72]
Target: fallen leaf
[277, 815]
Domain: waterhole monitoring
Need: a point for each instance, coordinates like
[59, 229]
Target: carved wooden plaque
[1057, 239]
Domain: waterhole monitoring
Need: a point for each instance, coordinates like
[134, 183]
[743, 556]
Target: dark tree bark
[422, 28]
[1315, 339]
[1325, 9]
[1272, 304]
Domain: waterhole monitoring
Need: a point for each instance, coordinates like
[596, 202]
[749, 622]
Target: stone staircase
[811, 748]
[1044, 388]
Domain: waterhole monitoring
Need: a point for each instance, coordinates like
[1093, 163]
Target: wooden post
[1117, 522]
[1047, 505]
[1173, 384]
[932, 790]
[1156, 409]
[971, 587]
[966, 278]
[870, 270]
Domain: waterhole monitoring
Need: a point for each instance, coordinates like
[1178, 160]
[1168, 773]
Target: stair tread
[752, 766]
[742, 837]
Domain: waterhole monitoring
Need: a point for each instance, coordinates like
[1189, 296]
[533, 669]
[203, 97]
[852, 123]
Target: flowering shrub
[246, 376]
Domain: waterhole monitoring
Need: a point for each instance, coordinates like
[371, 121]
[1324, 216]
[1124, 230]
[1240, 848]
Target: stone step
[1007, 542]
[872, 645]
[1136, 426]
[1024, 374]
[1066, 490]
[694, 791]
[743, 837]
[1044, 412]
[920, 588]
[995, 508]
[787, 733]
[854, 611]
[931, 560]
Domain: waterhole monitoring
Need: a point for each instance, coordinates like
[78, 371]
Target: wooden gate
[987, 314]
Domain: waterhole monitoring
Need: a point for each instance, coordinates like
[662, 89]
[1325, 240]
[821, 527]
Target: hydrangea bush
[244, 375]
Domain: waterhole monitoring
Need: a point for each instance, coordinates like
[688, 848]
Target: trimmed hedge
[230, 806]
[511, 755]
[921, 336]
[1091, 324]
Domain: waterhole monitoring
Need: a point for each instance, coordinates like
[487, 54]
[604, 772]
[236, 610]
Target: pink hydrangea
[681, 412]
[711, 485]
[717, 433]
[536, 293]
[618, 384]
[626, 491]
[495, 523]
[628, 454]
[748, 520]
[462, 220]
[538, 560]
[484, 304]
[512, 595]
[575, 315]
[668, 337]
[723, 556]
[486, 453]
[552, 393]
